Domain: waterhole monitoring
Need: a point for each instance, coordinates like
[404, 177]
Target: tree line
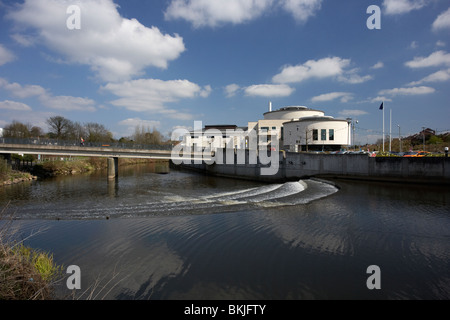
[64, 129]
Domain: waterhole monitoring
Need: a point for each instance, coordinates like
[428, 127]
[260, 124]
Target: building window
[315, 134]
[331, 134]
[323, 134]
[264, 128]
[274, 128]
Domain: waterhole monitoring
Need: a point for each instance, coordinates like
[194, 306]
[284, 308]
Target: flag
[382, 106]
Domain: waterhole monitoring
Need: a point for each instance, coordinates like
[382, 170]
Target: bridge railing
[72, 143]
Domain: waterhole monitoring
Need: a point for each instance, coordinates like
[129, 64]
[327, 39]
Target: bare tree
[59, 127]
[17, 130]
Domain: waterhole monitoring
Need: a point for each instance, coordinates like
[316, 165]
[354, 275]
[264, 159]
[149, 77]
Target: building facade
[293, 128]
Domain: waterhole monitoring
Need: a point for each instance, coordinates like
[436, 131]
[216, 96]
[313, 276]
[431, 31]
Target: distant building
[293, 128]
[1, 132]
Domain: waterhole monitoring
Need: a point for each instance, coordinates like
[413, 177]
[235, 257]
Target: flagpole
[383, 125]
[390, 129]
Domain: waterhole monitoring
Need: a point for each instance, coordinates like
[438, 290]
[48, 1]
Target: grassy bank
[9, 176]
[25, 273]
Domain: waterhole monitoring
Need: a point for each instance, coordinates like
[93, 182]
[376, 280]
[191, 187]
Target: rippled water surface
[183, 235]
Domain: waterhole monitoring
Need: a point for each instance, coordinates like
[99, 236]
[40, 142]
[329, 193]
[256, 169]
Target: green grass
[25, 273]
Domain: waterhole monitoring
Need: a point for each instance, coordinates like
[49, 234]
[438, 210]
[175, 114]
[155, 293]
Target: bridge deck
[82, 151]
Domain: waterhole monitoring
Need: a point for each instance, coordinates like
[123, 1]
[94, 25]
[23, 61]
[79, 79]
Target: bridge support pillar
[113, 167]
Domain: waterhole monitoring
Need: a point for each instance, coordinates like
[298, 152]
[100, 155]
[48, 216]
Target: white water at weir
[175, 201]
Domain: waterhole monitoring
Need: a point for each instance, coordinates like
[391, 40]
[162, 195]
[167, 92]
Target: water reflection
[188, 236]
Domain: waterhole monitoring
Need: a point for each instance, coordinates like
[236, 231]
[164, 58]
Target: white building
[316, 133]
[293, 128]
[299, 128]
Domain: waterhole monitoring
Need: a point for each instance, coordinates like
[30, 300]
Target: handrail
[72, 143]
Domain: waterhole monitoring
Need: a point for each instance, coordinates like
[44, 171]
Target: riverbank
[80, 165]
[25, 273]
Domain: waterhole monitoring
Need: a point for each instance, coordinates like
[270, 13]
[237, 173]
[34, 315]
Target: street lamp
[354, 122]
[399, 138]
[423, 134]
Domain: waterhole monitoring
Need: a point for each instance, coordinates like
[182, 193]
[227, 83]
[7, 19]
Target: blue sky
[165, 64]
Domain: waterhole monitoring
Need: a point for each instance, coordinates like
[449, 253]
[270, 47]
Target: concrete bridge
[111, 151]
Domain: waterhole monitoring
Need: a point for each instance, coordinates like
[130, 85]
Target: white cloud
[22, 92]
[269, 90]
[352, 77]
[231, 90]
[392, 7]
[407, 91]
[134, 122]
[323, 68]
[442, 21]
[153, 95]
[302, 10]
[378, 65]
[440, 43]
[213, 13]
[379, 99]
[23, 39]
[439, 76]
[437, 58]
[13, 105]
[216, 12]
[352, 113]
[332, 67]
[414, 45]
[5, 55]
[114, 47]
[344, 96]
[67, 103]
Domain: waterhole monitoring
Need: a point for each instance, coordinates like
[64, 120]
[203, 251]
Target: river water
[183, 235]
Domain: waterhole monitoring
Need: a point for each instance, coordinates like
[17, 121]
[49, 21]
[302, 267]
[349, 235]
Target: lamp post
[354, 122]
[423, 134]
[399, 138]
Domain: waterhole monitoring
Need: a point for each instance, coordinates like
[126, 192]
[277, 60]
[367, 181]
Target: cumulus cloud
[269, 90]
[378, 65]
[302, 10]
[323, 68]
[213, 13]
[344, 96]
[439, 76]
[5, 55]
[437, 58]
[216, 12]
[153, 95]
[332, 67]
[114, 47]
[231, 90]
[442, 21]
[407, 91]
[13, 105]
[393, 7]
[66, 103]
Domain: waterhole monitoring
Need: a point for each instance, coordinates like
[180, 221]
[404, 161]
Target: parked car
[410, 154]
[422, 154]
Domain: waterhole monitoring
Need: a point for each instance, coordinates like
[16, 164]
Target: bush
[25, 273]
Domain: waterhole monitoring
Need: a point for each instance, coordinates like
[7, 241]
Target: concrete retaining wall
[295, 166]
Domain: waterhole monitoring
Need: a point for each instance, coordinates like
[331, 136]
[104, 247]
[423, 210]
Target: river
[184, 235]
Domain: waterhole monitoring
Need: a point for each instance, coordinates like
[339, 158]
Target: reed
[25, 273]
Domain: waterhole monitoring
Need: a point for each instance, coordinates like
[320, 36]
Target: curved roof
[292, 112]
